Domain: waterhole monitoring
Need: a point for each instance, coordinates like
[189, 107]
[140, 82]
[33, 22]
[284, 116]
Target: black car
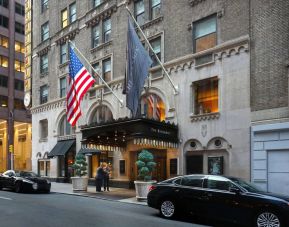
[24, 181]
[227, 199]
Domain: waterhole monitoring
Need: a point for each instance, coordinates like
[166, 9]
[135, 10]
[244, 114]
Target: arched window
[101, 114]
[65, 128]
[153, 107]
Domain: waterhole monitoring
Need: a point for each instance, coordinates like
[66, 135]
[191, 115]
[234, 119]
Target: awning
[88, 151]
[61, 148]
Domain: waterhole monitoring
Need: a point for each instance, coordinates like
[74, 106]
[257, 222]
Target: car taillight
[152, 187]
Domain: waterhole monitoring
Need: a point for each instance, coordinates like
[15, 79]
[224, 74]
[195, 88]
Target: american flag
[78, 83]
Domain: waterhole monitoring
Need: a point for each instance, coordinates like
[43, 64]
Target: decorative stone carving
[204, 117]
[43, 51]
[70, 35]
[102, 15]
[195, 2]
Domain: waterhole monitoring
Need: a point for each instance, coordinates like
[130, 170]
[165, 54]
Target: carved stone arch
[45, 155]
[223, 55]
[218, 143]
[58, 120]
[233, 52]
[38, 155]
[94, 106]
[242, 49]
[192, 145]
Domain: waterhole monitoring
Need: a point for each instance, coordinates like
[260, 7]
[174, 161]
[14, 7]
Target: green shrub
[80, 165]
[145, 165]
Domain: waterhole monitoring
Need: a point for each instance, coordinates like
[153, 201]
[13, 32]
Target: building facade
[15, 121]
[203, 128]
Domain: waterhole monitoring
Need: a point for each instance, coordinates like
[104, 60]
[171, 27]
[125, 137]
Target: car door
[6, 179]
[193, 193]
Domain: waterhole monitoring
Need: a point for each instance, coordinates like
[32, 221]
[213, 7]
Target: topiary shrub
[146, 165]
[80, 165]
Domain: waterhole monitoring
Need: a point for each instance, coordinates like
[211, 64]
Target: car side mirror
[235, 190]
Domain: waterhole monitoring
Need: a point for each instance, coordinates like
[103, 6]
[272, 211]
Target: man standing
[106, 177]
[99, 177]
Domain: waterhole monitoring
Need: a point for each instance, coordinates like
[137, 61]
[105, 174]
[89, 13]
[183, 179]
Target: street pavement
[63, 210]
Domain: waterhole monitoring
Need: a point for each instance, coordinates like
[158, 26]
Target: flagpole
[120, 100]
[151, 48]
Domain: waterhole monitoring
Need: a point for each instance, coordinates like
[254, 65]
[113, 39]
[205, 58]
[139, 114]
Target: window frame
[44, 98]
[95, 1]
[4, 41]
[2, 58]
[63, 53]
[72, 16]
[43, 33]
[4, 21]
[106, 31]
[4, 3]
[152, 7]
[103, 69]
[94, 38]
[42, 68]
[62, 90]
[19, 28]
[44, 5]
[141, 14]
[20, 8]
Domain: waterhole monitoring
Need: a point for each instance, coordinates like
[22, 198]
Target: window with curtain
[4, 41]
[19, 66]
[3, 61]
[19, 47]
[64, 18]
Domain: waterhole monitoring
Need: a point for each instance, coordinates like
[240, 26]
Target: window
[206, 96]
[63, 53]
[45, 31]
[19, 9]
[121, 166]
[43, 94]
[44, 5]
[107, 70]
[107, 30]
[174, 166]
[43, 129]
[219, 183]
[4, 41]
[19, 85]
[193, 181]
[19, 47]
[139, 10]
[44, 168]
[18, 104]
[153, 107]
[205, 33]
[97, 2]
[64, 18]
[95, 36]
[65, 128]
[156, 45]
[4, 3]
[4, 21]
[101, 114]
[62, 87]
[19, 66]
[19, 28]
[155, 8]
[3, 61]
[96, 67]
[72, 12]
[3, 81]
[44, 63]
[3, 101]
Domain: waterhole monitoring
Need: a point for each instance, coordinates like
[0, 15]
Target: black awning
[61, 148]
[88, 151]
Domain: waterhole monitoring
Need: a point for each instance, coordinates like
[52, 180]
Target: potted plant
[80, 181]
[145, 165]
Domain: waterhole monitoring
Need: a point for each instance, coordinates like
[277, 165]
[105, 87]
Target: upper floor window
[107, 30]
[97, 2]
[19, 9]
[19, 66]
[64, 18]
[3, 101]
[153, 107]
[65, 128]
[72, 12]
[44, 63]
[155, 8]
[43, 129]
[101, 114]
[156, 45]
[206, 96]
[106, 75]
[43, 94]
[95, 36]
[45, 31]
[19, 28]
[139, 10]
[3, 81]
[4, 3]
[63, 53]
[205, 33]
[62, 87]
[4, 41]
[4, 61]
[19, 85]
[19, 47]
[96, 67]
[44, 5]
[4, 21]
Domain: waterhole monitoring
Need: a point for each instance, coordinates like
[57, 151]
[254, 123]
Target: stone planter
[79, 184]
[142, 189]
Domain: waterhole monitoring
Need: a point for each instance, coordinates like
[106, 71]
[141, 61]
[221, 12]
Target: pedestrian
[106, 177]
[99, 177]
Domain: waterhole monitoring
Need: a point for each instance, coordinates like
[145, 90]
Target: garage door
[278, 172]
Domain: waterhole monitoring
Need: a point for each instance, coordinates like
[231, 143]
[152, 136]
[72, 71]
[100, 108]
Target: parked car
[228, 199]
[22, 181]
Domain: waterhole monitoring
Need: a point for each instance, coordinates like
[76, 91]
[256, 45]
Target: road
[58, 210]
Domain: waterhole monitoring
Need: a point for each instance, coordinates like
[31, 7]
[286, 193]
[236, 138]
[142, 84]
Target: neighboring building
[205, 128]
[15, 121]
[269, 95]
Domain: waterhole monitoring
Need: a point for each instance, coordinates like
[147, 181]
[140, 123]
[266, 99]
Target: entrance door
[194, 164]
[160, 171]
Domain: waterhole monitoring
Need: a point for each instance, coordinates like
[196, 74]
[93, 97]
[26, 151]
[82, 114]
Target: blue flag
[138, 64]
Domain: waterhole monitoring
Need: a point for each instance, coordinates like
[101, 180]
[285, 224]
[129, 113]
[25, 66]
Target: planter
[142, 189]
[79, 184]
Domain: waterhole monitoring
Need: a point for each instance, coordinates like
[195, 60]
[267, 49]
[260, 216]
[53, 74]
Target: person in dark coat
[106, 178]
[99, 178]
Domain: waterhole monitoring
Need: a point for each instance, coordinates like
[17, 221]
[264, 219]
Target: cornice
[195, 2]
[68, 36]
[44, 50]
[49, 106]
[102, 15]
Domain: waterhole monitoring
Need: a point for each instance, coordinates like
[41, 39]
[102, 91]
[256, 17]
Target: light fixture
[4, 105]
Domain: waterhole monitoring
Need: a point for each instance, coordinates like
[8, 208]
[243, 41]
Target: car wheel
[18, 187]
[268, 219]
[167, 208]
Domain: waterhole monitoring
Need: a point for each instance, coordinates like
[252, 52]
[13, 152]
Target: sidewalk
[115, 194]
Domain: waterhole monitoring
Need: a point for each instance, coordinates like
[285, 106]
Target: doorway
[194, 164]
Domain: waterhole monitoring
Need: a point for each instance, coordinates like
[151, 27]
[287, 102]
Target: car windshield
[248, 186]
[26, 174]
